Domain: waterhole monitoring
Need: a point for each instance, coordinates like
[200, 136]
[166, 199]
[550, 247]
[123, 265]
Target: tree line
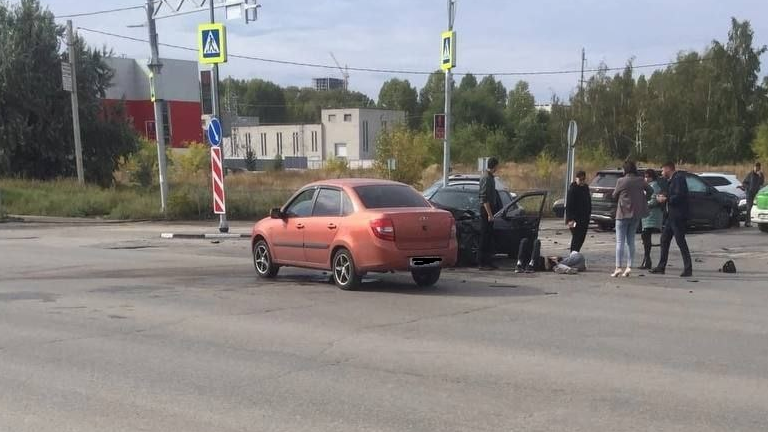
[36, 132]
[705, 107]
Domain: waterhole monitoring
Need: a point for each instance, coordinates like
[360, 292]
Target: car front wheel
[262, 261]
[763, 227]
[722, 219]
[426, 278]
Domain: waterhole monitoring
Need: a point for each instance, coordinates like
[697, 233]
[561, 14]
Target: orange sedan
[354, 226]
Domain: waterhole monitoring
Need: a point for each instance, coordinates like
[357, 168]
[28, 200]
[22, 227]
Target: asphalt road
[110, 328]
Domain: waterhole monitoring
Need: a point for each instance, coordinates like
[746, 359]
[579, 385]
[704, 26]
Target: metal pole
[75, 104]
[567, 178]
[155, 66]
[223, 224]
[448, 82]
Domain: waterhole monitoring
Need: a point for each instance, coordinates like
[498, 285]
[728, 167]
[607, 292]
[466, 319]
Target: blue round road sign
[214, 132]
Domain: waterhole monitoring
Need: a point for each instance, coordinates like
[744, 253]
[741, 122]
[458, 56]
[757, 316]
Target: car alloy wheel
[262, 260]
[344, 272]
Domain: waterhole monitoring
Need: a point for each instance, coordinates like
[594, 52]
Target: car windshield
[605, 180]
[389, 196]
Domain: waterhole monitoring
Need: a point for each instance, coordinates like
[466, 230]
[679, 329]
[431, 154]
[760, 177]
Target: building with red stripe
[179, 87]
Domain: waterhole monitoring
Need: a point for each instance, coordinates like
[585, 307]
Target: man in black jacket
[578, 210]
[751, 185]
[489, 200]
[676, 200]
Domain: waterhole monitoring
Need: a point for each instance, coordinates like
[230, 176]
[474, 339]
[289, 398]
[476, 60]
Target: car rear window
[605, 180]
[389, 196]
[716, 180]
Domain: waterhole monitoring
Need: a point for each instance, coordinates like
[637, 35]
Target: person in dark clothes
[489, 205]
[655, 219]
[751, 185]
[676, 200]
[578, 210]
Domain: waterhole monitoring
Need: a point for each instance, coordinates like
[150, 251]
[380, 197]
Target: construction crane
[344, 71]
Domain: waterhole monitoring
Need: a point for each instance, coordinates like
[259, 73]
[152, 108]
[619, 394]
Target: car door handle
[332, 226]
[300, 226]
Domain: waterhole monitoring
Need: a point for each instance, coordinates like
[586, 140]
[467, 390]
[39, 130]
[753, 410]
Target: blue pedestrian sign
[214, 132]
[212, 43]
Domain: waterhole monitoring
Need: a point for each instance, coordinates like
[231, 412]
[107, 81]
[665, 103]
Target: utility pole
[155, 67]
[75, 104]
[448, 82]
[223, 224]
[581, 82]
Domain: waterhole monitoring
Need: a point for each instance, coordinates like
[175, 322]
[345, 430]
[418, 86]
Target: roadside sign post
[438, 126]
[573, 133]
[212, 49]
[391, 166]
[448, 62]
[214, 134]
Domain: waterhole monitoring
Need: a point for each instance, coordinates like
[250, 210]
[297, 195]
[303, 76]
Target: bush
[408, 148]
[194, 160]
[142, 166]
[337, 167]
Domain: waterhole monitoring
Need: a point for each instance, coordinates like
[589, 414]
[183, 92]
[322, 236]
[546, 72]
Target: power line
[408, 72]
[100, 12]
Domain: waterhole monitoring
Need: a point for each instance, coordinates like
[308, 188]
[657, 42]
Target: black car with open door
[517, 220]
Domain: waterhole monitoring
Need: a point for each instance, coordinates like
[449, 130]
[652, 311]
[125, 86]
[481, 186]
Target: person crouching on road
[578, 210]
[489, 205]
[655, 219]
[632, 206]
[751, 185]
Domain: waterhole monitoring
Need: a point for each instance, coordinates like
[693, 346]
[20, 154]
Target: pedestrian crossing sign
[448, 50]
[212, 43]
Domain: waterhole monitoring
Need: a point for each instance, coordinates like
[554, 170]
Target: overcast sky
[493, 35]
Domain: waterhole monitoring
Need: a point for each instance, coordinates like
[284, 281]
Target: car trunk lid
[421, 228]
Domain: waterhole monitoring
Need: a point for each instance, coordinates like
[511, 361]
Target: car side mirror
[275, 213]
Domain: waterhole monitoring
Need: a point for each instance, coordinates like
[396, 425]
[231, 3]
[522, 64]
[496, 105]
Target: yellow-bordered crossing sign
[212, 43]
[448, 50]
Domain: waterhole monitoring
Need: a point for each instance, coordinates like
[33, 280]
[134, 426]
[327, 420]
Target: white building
[347, 133]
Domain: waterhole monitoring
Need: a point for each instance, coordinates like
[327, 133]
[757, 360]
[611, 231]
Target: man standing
[488, 207]
[578, 210]
[751, 185]
[676, 200]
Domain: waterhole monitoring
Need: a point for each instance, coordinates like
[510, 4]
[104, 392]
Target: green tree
[35, 114]
[760, 143]
[409, 148]
[398, 94]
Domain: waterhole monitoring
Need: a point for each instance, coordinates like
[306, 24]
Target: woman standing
[632, 206]
[653, 222]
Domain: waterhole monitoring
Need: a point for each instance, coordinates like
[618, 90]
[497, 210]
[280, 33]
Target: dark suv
[708, 206]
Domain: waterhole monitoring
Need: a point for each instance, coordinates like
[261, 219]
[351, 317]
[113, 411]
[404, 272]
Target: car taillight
[383, 229]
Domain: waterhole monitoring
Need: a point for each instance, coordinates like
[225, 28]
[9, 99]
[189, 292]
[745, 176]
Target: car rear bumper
[383, 256]
[602, 218]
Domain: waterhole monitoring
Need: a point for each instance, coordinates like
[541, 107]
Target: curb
[169, 236]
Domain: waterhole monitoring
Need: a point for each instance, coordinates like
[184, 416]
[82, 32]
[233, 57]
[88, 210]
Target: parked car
[518, 219]
[759, 213]
[709, 207]
[470, 179]
[351, 227]
[728, 183]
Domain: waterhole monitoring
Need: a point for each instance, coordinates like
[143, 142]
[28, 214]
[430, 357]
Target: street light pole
[223, 224]
[155, 66]
[448, 82]
[75, 105]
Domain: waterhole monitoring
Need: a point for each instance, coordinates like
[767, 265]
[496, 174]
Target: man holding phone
[578, 210]
[489, 203]
[676, 201]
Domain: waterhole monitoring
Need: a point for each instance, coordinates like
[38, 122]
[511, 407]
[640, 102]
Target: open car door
[518, 220]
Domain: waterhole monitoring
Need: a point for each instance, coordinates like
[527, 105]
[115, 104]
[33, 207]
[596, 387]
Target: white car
[728, 183]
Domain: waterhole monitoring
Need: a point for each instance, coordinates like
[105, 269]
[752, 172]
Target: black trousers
[486, 249]
[528, 252]
[750, 199]
[578, 235]
[675, 227]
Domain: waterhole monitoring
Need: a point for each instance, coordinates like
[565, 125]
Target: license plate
[597, 195]
[426, 262]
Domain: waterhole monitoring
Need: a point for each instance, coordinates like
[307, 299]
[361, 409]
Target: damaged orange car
[351, 227]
